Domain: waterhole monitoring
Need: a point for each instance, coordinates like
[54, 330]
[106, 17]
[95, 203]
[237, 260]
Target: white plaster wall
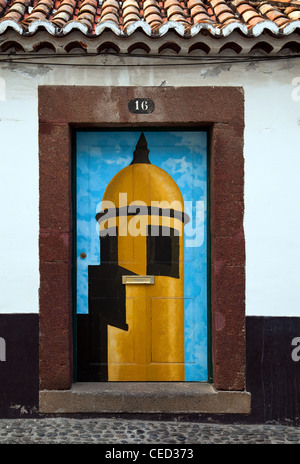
[19, 273]
[272, 172]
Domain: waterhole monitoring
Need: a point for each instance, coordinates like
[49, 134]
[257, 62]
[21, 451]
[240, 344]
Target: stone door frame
[220, 110]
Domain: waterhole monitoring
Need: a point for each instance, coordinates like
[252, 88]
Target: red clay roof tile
[294, 15]
[26, 15]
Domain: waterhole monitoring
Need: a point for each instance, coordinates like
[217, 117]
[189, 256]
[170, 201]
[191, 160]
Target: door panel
[128, 223]
[164, 310]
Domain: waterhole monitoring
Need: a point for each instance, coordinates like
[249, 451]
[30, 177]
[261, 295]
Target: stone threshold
[142, 397]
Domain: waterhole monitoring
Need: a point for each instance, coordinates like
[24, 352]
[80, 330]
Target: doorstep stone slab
[140, 397]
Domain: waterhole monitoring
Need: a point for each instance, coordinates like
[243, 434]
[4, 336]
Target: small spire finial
[141, 152]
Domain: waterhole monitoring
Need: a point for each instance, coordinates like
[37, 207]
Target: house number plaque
[141, 106]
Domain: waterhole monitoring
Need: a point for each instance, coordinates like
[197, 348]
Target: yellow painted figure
[147, 215]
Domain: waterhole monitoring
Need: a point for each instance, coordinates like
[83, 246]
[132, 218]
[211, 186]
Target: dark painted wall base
[19, 374]
[273, 369]
[273, 376]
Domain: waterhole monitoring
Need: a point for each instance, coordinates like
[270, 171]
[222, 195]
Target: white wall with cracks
[272, 167]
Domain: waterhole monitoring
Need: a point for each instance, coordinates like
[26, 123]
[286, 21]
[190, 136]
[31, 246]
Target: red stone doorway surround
[220, 110]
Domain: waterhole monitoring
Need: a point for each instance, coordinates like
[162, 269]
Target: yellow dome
[143, 183]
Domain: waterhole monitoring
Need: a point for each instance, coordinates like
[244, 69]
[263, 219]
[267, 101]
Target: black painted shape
[107, 306]
[162, 252]
[19, 374]
[133, 210]
[109, 248]
[141, 152]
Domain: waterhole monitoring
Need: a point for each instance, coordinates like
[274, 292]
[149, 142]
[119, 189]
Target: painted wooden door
[141, 256]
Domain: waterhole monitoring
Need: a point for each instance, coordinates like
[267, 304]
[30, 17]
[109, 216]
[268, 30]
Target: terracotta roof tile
[155, 17]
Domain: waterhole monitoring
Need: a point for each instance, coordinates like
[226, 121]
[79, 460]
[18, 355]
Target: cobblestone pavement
[127, 431]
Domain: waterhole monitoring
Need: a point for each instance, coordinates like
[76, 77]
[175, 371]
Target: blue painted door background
[100, 155]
